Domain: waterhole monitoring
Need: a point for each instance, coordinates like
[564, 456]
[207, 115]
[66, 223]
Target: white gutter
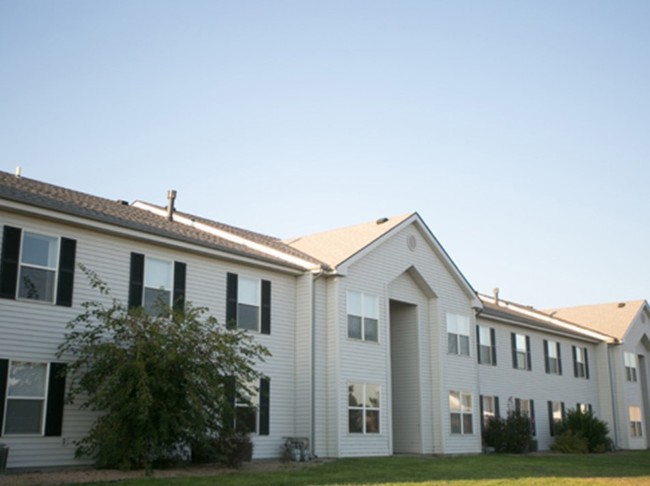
[551, 320]
[228, 236]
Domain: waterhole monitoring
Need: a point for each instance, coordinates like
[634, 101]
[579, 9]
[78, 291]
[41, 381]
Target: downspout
[613, 396]
[312, 438]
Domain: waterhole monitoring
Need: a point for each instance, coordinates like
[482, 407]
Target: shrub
[514, 434]
[233, 449]
[590, 427]
[569, 442]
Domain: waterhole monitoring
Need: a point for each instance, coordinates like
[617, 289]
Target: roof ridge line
[226, 235]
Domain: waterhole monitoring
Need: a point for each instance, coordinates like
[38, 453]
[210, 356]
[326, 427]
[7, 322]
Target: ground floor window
[363, 408]
[635, 422]
[252, 408]
[26, 395]
[460, 412]
[555, 416]
[527, 409]
[489, 408]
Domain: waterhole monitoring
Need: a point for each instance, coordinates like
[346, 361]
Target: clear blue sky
[519, 130]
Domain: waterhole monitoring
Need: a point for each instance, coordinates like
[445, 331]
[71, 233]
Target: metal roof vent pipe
[171, 198]
[495, 292]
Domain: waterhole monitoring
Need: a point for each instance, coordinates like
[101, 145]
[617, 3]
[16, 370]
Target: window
[552, 357]
[520, 352]
[460, 412]
[248, 303]
[363, 316]
[580, 362]
[583, 407]
[252, 408]
[458, 334]
[635, 422]
[630, 366]
[155, 284]
[363, 408]
[527, 409]
[487, 349]
[489, 408]
[32, 396]
[38, 267]
[555, 416]
[39, 257]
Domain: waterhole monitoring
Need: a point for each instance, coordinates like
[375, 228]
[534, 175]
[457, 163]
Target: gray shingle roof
[48, 196]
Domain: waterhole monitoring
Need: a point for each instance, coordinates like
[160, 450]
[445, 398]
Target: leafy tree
[513, 434]
[161, 382]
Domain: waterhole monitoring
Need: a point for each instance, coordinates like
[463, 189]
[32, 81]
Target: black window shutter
[563, 411]
[55, 400]
[180, 269]
[575, 360]
[529, 359]
[480, 401]
[586, 363]
[9, 262]
[4, 370]
[590, 409]
[559, 359]
[517, 404]
[546, 363]
[513, 339]
[136, 280]
[496, 407]
[230, 394]
[265, 402]
[551, 422]
[231, 300]
[266, 307]
[66, 272]
[494, 346]
[478, 347]
[532, 416]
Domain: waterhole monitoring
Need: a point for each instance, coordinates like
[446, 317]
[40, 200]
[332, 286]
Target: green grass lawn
[621, 468]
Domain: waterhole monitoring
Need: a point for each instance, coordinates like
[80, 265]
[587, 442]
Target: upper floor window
[32, 396]
[487, 348]
[580, 362]
[583, 407]
[630, 366]
[460, 412]
[156, 284]
[457, 334]
[363, 408]
[635, 422]
[363, 316]
[552, 357]
[248, 303]
[521, 359]
[36, 266]
[555, 416]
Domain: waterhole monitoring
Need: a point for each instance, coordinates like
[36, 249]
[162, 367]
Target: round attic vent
[411, 242]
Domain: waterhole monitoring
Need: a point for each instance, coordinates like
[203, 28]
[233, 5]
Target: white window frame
[364, 408]
[169, 285]
[521, 351]
[256, 302]
[489, 406]
[252, 394]
[636, 426]
[42, 398]
[630, 367]
[369, 313]
[553, 357]
[54, 269]
[458, 341]
[485, 334]
[459, 406]
[581, 363]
